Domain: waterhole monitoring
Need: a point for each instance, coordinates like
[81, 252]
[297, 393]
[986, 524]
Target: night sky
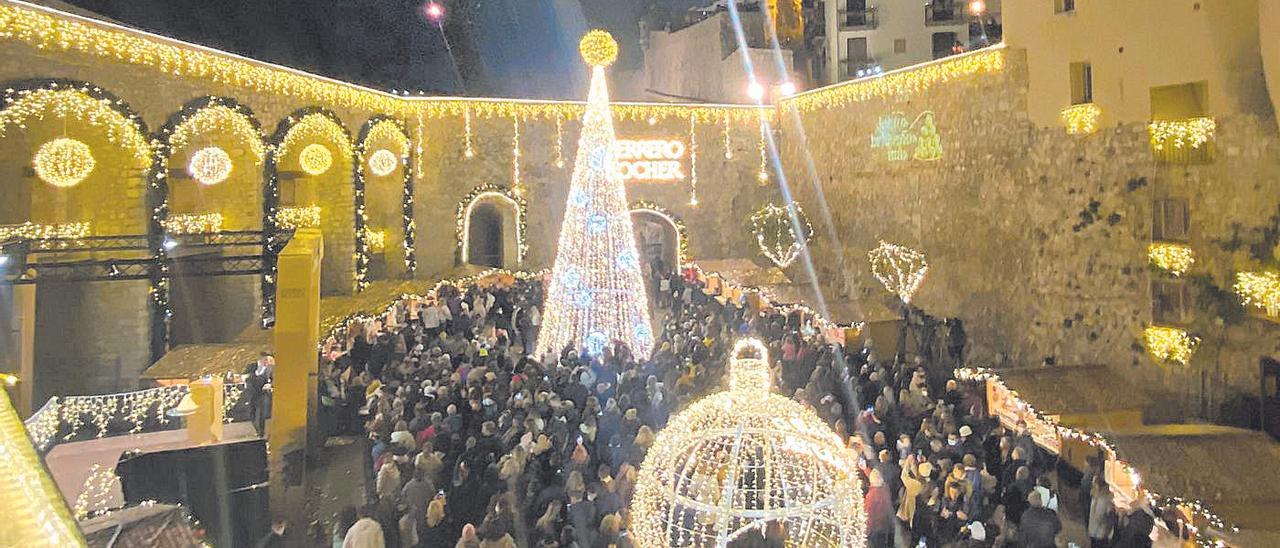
[510, 48]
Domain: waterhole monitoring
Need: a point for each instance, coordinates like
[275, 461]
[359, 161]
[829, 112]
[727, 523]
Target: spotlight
[977, 7]
[860, 73]
[434, 11]
[170, 244]
[755, 91]
[4, 260]
[787, 88]
[878, 69]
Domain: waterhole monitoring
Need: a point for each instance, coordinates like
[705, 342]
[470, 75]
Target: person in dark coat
[257, 390]
[1040, 525]
[1135, 528]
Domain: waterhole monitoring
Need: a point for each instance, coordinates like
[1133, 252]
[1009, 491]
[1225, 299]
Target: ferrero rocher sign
[652, 160]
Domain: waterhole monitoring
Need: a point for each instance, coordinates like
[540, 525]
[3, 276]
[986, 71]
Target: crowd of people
[477, 443]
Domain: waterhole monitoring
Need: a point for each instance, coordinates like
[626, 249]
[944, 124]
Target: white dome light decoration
[383, 162]
[740, 460]
[63, 162]
[315, 159]
[209, 166]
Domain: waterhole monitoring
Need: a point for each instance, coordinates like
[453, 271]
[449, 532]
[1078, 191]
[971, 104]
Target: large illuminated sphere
[209, 166]
[63, 162]
[737, 460]
[383, 162]
[598, 48]
[315, 159]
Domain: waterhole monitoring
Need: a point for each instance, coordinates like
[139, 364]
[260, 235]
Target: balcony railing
[864, 19]
[943, 14]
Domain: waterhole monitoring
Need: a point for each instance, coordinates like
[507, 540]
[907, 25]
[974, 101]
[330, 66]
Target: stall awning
[1075, 390]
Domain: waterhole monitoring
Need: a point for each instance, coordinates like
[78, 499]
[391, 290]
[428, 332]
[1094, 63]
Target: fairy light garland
[315, 127]
[231, 394]
[1257, 289]
[910, 80]
[68, 101]
[462, 218]
[33, 231]
[63, 162]
[1191, 133]
[775, 234]
[209, 166]
[1170, 344]
[467, 150]
[728, 144]
[377, 240]
[382, 162]
[217, 118]
[196, 223]
[95, 495]
[386, 130]
[682, 231]
[743, 458]
[515, 158]
[1100, 442]
[559, 147]
[900, 269]
[762, 175]
[693, 161]
[315, 159]
[1081, 119]
[293, 218]
[62, 419]
[1173, 258]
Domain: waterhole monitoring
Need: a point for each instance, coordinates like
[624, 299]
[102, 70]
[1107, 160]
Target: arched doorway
[657, 240]
[492, 228]
[484, 247]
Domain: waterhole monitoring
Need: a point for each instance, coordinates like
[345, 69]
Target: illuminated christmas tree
[597, 292]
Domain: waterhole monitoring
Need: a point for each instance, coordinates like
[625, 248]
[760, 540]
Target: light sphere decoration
[209, 166]
[315, 159]
[598, 48]
[63, 162]
[382, 162]
[740, 460]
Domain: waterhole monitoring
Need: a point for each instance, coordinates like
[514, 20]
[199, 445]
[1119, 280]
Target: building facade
[866, 37]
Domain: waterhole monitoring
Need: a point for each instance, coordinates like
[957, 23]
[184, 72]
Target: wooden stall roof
[1075, 390]
[746, 273]
[155, 525]
[189, 361]
[1231, 469]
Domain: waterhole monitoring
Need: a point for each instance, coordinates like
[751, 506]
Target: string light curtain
[597, 293]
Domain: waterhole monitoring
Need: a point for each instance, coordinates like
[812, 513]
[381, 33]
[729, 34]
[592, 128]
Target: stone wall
[1037, 239]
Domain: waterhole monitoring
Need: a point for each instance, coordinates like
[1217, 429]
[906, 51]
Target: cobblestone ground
[338, 478]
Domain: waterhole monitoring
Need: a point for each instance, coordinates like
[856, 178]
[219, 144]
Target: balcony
[1185, 141]
[943, 14]
[864, 19]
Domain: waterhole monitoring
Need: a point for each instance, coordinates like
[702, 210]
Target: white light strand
[515, 158]
[900, 269]
[775, 234]
[693, 161]
[559, 151]
[728, 144]
[596, 294]
[467, 150]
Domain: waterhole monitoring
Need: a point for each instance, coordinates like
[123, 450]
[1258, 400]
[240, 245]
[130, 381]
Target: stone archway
[492, 228]
[660, 236]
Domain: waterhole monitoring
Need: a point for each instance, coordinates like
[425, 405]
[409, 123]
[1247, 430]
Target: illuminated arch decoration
[383, 129]
[325, 125]
[195, 118]
[682, 231]
[463, 217]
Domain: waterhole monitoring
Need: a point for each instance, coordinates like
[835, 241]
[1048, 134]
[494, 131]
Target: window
[1170, 220]
[900, 45]
[1180, 101]
[1081, 83]
[943, 44]
[856, 52]
[1064, 6]
[1170, 302]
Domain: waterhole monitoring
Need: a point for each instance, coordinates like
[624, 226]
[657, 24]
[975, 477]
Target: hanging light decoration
[740, 459]
[900, 269]
[209, 166]
[382, 162]
[63, 162]
[775, 233]
[315, 159]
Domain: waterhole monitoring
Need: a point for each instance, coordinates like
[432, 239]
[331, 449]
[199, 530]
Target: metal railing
[943, 14]
[862, 19]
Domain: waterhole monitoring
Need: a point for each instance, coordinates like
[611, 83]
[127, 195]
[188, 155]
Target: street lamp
[434, 11]
[977, 7]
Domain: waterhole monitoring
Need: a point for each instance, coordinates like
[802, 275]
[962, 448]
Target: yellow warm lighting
[206, 223]
[293, 218]
[598, 48]
[462, 218]
[1173, 258]
[388, 132]
[9, 380]
[1170, 344]
[63, 162]
[682, 231]
[376, 240]
[1181, 134]
[219, 120]
[33, 231]
[34, 511]
[382, 162]
[900, 269]
[1260, 289]
[315, 159]
[1081, 119]
[72, 104]
[742, 458]
[906, 81]
[209, 166]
